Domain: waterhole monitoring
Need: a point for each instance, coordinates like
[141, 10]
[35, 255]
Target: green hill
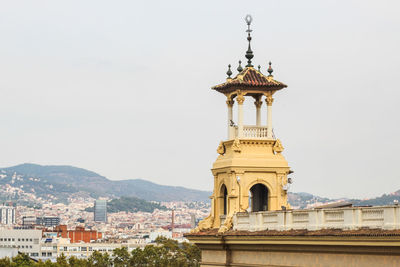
[61, 182]
[131, 204]
[58, 183]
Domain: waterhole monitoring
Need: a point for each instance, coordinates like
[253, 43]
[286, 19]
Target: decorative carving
[227, 225]
[204, 224]
[230, 102]
[240, 99]
[278, 148]
[221, 148]
[236, 146]
[258, 103]
[269, 100]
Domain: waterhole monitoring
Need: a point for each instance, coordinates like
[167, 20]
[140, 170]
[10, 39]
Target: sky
[122, 88]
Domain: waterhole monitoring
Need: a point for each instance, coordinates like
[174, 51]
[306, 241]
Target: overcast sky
[122, 88]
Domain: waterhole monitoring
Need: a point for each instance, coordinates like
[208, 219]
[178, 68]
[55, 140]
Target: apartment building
[25, 240]
[7, 215]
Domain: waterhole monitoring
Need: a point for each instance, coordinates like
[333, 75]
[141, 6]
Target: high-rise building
[100, 210]
[7, 215]
[193, 221]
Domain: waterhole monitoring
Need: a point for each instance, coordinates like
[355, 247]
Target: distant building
[80, 234]
[45, 221]
[26, 241]
[28, 220]
[48, 245]
[158, 233]
[7, 215]
[100, 210]
[193, 221]
[48, 221]
[58, 245]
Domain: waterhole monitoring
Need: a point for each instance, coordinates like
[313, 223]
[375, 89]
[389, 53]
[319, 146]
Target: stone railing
[382, 217]
[254, 131]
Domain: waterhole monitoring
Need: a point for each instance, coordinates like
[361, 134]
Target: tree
[121, 257]
[165, 253]
[98, 259]
[62, 261]
[138, 258]
[22, 260]
[5, 262]
[75, 262]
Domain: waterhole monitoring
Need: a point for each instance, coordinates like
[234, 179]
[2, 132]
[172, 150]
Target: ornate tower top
[250, 173]
[249, 82]
[249, 79]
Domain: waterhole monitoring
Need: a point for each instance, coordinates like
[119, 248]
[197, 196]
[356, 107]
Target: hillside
[303, 200]
[130, 204]
[385, 199]
[61, 182]
[58, 183]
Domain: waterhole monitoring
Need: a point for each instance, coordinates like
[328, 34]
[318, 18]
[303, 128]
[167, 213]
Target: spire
[270, 70]
[249, 52]
[229, 72]
[239, 68]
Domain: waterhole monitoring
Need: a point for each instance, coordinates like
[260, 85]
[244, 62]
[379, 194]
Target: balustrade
[383, 217]
[254, 132]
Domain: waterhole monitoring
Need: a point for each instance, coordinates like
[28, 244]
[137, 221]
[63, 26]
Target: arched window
[224, 198]
[258, 197]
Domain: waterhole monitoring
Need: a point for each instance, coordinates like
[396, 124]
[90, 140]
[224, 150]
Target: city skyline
[123, 89]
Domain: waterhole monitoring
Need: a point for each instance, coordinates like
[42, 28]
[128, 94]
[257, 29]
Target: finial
[270, 70]
[249, 52]
[229, 72]
[239, 68]
[259, 68]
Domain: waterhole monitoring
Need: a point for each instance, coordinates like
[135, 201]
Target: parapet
[353, 218]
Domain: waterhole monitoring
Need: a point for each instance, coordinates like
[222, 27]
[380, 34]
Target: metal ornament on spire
[270, 70]
[239, 68]
[229, 72]
[249, 52]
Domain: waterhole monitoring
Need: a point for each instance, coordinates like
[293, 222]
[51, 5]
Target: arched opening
[258, 197]
[224, 199]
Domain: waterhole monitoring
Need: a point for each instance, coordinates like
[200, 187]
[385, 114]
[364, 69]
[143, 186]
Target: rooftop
[301, 232]
[250, 79]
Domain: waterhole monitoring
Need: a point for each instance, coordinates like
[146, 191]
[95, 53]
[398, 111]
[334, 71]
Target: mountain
[385, 199]
[306, 200]
[303, 200]
[58, 183]
[27, 182]
[130, 204]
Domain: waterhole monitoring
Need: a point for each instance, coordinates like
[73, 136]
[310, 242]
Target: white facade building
[51, 248]
[39, 246]
[159, 233]
[26, 241]
[7, 215]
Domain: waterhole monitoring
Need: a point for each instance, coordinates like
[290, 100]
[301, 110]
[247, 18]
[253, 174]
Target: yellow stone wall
[253, 161]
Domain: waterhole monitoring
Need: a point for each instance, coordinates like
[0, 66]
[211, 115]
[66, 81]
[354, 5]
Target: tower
[100, 210]
[250, 173]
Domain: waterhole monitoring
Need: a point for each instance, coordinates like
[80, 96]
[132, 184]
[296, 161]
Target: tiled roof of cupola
[250, 78]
